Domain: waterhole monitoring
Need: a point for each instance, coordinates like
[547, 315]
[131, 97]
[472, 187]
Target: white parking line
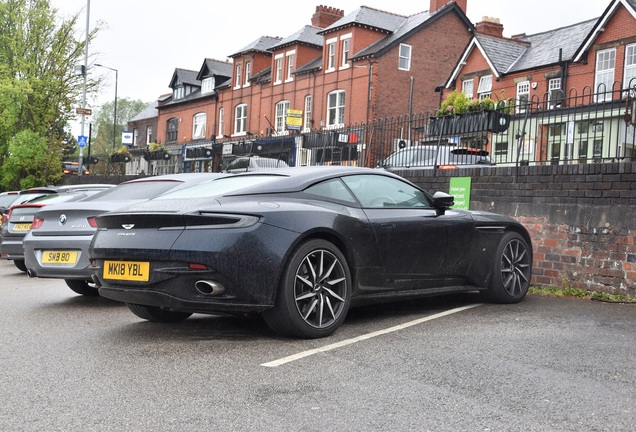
[346, 342]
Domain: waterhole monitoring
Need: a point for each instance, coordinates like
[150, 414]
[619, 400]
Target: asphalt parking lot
[73, 363]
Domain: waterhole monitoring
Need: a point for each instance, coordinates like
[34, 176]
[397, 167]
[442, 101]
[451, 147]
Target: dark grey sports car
[300, 246]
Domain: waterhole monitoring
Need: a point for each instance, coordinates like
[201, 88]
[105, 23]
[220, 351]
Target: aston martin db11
[302, 245]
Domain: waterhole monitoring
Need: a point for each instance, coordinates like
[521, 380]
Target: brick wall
[582, 218]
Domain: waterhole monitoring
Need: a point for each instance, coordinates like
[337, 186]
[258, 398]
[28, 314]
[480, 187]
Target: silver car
[57, 244]
[433, 156]
[19, 218]
[254, 163]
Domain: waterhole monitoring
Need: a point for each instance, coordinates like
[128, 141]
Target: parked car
[254, 163]
[19, 218]
[57, 244]
[433, 156]
[300, 245]
[72, 168]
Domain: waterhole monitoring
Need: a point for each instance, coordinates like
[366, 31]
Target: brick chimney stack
[490, 26]
[325, 16]
[436, 4]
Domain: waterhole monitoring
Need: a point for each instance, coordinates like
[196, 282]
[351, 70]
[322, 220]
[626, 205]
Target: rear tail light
[37, 223]
[92, 221]
[447, 167]
[196, 266]
[86, 172]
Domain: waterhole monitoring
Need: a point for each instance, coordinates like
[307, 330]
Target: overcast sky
[145, 40]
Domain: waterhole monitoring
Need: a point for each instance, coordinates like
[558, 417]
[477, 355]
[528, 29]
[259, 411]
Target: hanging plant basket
[120, 158]
[478, 121]
[157, 155]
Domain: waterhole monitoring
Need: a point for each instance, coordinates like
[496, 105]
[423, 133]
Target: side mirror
[442, 202]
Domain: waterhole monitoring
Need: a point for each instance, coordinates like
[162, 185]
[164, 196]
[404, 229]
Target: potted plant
[459, 114]
[121, 155]
[157, 152]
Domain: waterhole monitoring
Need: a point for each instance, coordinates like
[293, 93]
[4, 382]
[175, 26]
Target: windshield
[219, 186]
[411, 156]
[7, 200]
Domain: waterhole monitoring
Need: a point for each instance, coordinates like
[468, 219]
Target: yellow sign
[294, 119]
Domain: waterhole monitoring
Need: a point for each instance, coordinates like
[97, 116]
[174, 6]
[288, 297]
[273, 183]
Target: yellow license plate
[22, 226]
[126, 270]
[59, 257]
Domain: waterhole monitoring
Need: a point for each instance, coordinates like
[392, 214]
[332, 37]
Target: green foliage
[29, 162]
[457, 102]
[38, 85]
[567, 291]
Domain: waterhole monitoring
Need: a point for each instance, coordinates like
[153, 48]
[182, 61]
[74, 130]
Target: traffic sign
[81, 141]
[83, 111]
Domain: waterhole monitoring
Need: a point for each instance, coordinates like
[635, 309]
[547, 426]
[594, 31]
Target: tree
[29, 163]
[38, 86]
[102, 143]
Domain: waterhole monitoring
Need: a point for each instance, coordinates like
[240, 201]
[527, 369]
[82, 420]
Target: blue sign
[81, 141]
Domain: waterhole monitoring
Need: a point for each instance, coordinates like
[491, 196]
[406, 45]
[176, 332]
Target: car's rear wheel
[314, 293]
[82, 287]
[19, 263]
[156, 314]
[512, 270]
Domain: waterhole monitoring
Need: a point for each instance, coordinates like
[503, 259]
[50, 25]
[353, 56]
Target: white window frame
[335, 108]
[281, 116]
[198, 126]
[629, 73]
[207, 85]
[178, 92]
[240, 119]
[307, 114]
[554, 90]
[604, 74]
[291, 59]
[523, 96]
[135, 137]
[148, 135]
[278, 69]
[345, 42]
[468, 87]
[248, 73]
[221, 121]
[331, 54]
[484, 89]
[405, 52]
[237, 81]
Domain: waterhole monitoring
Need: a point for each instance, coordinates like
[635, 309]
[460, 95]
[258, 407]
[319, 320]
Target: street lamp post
[115, 111]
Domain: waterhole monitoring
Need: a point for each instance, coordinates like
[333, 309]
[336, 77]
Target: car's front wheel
[156, 314]
[82, 287]
[512, 270]
[314, 293]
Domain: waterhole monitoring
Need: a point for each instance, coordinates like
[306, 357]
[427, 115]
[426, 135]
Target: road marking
[346, 342]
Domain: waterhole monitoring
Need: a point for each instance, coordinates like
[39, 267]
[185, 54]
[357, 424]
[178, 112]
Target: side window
[379, 191]
[332, 189]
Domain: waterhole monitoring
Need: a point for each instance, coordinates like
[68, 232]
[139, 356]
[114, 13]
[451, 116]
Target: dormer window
[346, 48]
[207, 85]
[178, 92]
[278, 69]
[291, 57]
[248, 73]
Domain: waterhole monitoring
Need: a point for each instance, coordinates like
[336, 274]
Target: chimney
[490, 26]
[325, 16]
[436, 4]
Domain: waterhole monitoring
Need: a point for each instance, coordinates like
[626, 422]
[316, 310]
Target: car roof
[292, 179]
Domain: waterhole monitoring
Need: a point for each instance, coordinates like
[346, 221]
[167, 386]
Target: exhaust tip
[209, 288]
[30, 273]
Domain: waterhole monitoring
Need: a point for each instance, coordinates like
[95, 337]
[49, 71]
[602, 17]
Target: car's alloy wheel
[513, 270]
[314, 294]
[82, 287]
[156, 314]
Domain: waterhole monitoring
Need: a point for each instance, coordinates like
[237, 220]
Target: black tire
[19, 263]
[314, 294]
[512, 271]
[82, 287]
[156, 314]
